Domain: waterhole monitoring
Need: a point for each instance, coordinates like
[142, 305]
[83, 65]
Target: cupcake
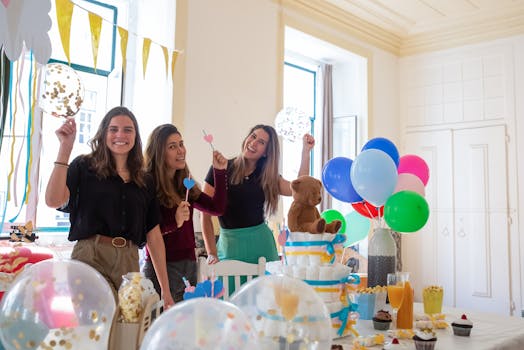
[462, 326]
[382, 320]
[425, 339]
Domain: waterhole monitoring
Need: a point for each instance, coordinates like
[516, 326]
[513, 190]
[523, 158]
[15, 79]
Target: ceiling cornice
[433, 37]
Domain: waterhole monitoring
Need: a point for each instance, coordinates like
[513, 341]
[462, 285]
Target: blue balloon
[336, 180]
[385, 146]
[374, 176]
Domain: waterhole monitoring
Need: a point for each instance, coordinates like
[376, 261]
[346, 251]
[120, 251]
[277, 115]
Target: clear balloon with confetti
[201, 323]
[57, 303]
[61, 91]
[292, 123]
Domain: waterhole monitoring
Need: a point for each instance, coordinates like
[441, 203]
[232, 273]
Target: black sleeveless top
[245, 201]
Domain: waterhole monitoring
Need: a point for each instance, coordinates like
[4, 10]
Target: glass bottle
[382, 257]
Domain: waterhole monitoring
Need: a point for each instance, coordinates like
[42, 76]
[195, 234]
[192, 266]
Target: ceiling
[413, 26]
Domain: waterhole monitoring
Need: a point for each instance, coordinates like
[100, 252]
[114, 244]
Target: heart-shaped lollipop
[189, 183]
[209, 139]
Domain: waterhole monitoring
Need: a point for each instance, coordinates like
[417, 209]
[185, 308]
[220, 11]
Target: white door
[481, 225]
[428, 254]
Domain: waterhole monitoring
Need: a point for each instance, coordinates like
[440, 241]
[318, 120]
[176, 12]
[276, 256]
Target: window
[104, 88]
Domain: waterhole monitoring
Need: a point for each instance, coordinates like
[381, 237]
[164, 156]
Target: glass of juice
[396, 291]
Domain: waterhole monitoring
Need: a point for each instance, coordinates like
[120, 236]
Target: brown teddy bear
[303, 215]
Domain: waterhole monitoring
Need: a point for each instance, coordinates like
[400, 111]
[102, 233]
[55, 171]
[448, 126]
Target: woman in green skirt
[254, 185]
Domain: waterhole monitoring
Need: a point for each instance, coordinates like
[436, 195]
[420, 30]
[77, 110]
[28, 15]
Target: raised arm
[216, 204]
[57, 193]
[308, 142]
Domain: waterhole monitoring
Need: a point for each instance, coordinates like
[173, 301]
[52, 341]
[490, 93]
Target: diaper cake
[311, 248]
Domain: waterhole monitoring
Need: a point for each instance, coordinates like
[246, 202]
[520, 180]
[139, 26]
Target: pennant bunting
[95, 24]
[173, 62]
[124, 35]
[64, 15]
[145, 54]
[166, 59]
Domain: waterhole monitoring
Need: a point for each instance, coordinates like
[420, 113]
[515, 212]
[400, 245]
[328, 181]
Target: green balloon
[406, 211]
[357, 228]
[331, 214]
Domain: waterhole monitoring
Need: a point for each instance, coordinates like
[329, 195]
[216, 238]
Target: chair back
[239, 271]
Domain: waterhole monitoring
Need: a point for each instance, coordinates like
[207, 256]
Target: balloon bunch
[379, 184]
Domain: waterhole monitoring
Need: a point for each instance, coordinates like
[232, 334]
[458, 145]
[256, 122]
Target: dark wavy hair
[101, 160]
[170, 191]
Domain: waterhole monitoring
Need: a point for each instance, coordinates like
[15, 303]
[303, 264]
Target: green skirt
[247, 244]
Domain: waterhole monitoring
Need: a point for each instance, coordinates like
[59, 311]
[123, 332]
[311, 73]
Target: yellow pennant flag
[166, 59]
[64, 13]
[95, 23]
[145, 54]
[173, 62]
[124, 35]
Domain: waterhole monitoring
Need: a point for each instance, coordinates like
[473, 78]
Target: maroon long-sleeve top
[180, 241]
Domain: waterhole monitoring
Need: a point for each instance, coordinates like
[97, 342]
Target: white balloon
[292, 123]
[62, 91]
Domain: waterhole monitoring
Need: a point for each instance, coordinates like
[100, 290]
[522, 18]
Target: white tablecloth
[490, 332]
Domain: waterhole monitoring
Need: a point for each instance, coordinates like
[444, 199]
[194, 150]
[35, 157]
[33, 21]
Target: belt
[117, 242]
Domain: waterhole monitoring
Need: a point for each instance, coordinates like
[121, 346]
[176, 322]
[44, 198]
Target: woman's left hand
[168, 301]
[219, 161]
[308, 142]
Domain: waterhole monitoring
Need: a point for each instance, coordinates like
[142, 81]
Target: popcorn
[130, 297]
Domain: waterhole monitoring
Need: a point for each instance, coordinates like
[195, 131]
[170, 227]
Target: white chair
[230, 268]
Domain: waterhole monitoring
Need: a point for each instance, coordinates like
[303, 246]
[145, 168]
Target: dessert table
[490, 332]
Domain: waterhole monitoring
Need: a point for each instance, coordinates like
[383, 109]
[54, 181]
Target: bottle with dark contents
[382, 255]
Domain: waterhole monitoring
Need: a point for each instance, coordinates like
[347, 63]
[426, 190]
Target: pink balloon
[410, 182]
[6, 3]
[415, 165]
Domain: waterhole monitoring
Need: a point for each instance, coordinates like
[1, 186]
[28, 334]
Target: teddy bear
[303, 215]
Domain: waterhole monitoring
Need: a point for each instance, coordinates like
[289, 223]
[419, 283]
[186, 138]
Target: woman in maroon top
[166, 162]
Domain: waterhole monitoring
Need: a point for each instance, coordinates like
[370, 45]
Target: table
[490, 332]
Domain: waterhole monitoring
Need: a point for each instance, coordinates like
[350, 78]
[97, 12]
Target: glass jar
[382, 257]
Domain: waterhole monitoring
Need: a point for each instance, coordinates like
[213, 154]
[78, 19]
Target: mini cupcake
[382, 320]
[462, 327]
[425, 339]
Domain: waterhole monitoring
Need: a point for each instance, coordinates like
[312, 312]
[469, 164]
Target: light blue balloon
[357, 228]
[374, 176]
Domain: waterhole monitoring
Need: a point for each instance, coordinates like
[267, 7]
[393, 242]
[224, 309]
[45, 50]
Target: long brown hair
[170, 191]
[101, 159]
[269, 177]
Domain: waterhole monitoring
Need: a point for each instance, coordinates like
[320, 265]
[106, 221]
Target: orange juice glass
[395, 294]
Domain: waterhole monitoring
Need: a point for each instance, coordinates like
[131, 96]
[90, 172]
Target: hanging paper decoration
[26, 21]
[166, 59]
[145, 54]
[124, 35]
[173, 62]
[62, 92]
[64, 15]
[95, 24]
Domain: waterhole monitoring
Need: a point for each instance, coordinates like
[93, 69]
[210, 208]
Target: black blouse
[109, 206]
[245, 201]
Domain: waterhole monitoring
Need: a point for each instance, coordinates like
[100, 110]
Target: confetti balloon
[57, 302]
[287, 313]
[292, 123]
[201, 323]
[62, 92]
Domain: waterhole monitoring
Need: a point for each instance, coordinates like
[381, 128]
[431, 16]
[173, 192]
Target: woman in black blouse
[254, 185]
[111, 201]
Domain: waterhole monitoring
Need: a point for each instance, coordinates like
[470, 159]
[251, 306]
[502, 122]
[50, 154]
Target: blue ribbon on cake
[343, 315]
[330, 245]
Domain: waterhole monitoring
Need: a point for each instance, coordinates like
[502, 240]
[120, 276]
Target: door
[429, 253]
[481, 224]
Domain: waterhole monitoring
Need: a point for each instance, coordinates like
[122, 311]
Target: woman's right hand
[67, 133]
[182, 213]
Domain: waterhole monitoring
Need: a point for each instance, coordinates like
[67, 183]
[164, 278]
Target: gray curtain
[4, 92]
[327, 125]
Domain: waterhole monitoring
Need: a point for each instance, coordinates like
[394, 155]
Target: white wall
[474, 85]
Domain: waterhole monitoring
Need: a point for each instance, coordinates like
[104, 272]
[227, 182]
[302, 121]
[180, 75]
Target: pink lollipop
[209, 139]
